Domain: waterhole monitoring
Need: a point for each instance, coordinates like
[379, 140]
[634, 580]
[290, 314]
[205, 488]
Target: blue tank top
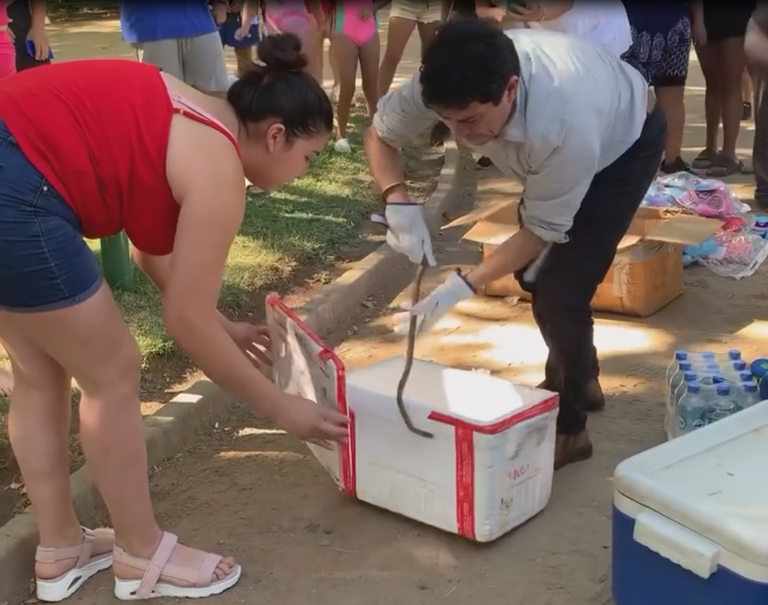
[143, 21]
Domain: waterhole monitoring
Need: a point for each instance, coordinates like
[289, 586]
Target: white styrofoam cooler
[690, 518]
[489, 467]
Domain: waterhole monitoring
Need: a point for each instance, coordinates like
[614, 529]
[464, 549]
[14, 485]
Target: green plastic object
[116, 262]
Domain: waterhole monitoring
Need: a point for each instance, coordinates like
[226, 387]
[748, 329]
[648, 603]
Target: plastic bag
[709, 198]
[737, 254]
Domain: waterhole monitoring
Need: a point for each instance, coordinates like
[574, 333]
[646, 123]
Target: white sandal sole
[125, 590]
[63, 587]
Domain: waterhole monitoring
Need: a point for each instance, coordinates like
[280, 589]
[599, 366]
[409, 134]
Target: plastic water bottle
[707, 372]
[724, 404]
[675, 363]
[692, 410]
[704, 357]
[676, 379]
[735, 355]
[750, 395]
[688, 377]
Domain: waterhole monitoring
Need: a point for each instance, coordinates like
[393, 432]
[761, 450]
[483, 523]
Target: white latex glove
[429, 310]
[407, 232]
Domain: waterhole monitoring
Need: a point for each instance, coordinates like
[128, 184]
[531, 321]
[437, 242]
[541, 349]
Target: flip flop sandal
[723, 167]
[87, 566]
[704, 160]
[197, 579]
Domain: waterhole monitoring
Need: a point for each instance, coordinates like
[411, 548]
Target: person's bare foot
[182, 559]
[52, 567]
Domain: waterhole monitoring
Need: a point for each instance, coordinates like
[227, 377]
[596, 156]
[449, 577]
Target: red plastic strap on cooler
[346, 454]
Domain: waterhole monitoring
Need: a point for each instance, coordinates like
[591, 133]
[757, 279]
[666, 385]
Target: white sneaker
[342, 146]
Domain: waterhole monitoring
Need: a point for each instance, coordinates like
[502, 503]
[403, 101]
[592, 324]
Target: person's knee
[115, 378]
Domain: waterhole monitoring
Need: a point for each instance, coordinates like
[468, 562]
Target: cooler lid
[484, 403]
[713, 481]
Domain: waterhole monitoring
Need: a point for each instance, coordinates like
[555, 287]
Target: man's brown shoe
[572, 448]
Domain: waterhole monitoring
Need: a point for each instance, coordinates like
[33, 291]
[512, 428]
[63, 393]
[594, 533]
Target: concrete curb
[168, 430]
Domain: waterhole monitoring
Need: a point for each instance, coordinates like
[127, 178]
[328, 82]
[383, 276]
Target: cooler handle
[677, 544]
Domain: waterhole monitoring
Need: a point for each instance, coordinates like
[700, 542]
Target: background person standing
[181, 38]
[756, 51]
[27, 22]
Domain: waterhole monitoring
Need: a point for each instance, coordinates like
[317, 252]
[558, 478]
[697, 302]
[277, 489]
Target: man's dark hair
[468, 61]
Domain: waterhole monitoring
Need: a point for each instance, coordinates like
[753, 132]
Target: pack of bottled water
[703, 388]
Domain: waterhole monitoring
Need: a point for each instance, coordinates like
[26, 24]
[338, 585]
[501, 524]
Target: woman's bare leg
[711, 68]
[90, 342]
[399, 33]
[38, 426]
[346, 54]
[733, 62]
[369, 68]
[672, 102]
[746, 87]
[313, 49]
[244, 58]
[427, 33]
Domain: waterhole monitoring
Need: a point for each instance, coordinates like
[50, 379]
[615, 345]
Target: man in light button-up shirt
[579, 128]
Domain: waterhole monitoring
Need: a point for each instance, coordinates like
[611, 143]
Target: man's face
[480, 123]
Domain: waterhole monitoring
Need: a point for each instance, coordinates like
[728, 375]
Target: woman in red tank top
[92, 148]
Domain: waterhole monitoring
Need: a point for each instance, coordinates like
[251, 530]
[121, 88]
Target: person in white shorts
[404, 17]
[181, 38]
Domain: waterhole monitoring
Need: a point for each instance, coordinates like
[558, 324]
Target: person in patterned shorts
[661, 44]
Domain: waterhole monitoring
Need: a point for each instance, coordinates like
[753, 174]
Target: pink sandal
[150, 587]
[87, 566]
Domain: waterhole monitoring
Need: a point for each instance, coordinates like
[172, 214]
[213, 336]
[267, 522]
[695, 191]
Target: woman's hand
[252, 340]
[365, 13]
[530, 13]
[39, 37]
[244, 31]
[310, 421]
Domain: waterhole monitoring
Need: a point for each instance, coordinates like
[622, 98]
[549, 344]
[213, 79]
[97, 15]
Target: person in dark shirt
[27, 22]
[756, 51]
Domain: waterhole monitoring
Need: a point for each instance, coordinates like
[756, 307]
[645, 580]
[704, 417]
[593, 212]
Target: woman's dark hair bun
[282, 53]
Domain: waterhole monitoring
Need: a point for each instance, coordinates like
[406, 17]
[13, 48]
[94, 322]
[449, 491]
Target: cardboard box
[646, 274]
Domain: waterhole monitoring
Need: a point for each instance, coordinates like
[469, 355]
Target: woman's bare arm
[206, 177]
[158, 269]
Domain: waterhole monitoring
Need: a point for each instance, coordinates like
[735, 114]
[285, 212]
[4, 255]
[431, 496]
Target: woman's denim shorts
[44, 263]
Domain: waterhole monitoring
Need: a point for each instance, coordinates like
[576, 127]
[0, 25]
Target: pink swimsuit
[7, 51]
[288, 16]
[347, 21]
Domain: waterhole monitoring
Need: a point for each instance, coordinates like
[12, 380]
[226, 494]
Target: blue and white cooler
[690, 518]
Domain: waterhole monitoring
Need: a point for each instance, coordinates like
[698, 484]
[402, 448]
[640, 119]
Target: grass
[304, 223]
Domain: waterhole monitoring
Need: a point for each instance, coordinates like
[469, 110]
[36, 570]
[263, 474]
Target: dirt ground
[248, 489]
